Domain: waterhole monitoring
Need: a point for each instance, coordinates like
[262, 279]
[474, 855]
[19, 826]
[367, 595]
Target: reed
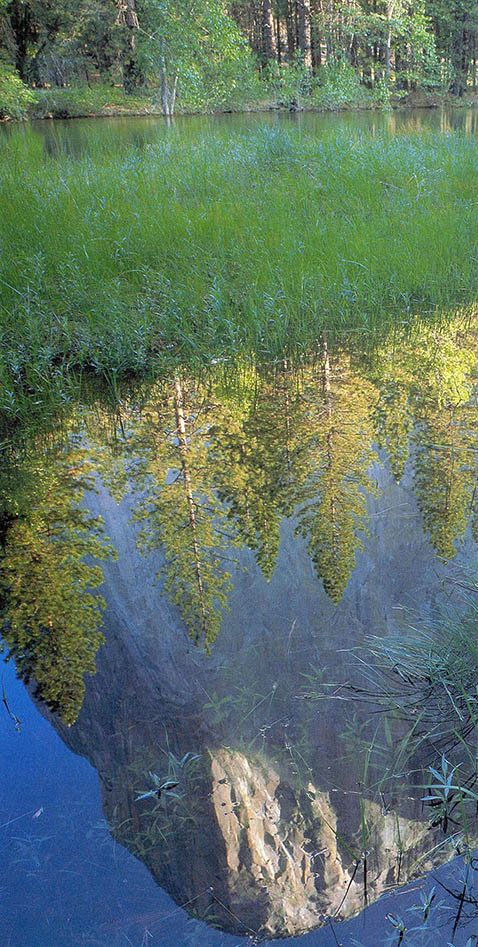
[119, 260]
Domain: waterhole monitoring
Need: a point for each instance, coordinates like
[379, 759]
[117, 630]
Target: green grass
[81, 98]
[114, 261]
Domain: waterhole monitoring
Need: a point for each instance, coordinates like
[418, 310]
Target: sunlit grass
[117, 259]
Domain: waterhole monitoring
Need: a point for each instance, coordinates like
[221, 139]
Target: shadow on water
[255, 531]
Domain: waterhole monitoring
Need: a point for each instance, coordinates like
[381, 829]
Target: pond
[79, 135]
[240, 602]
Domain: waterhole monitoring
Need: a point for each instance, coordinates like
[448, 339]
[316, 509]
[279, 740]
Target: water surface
[76, 136]
[192, 572]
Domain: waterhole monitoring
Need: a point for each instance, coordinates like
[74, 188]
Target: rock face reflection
[265, 523]
[286, 844]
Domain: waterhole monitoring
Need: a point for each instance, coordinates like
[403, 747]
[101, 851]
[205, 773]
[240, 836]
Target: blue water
[66, 882]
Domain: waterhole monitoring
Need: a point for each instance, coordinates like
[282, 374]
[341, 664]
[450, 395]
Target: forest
[60, 58]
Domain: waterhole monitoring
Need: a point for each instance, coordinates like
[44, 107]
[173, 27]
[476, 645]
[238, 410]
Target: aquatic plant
[428, 676]
[202, 245]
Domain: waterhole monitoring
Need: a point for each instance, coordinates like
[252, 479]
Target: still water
[206, 743]
[88, 135]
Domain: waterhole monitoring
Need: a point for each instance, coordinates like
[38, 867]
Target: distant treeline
[429, 42]
[217, 45]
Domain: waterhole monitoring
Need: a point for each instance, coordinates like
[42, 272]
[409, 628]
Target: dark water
[78, 136]
[199, 749]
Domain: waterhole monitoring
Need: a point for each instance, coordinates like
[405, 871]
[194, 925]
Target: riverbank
[69, 107]
[108, 101]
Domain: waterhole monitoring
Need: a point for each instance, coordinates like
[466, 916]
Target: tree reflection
[257, 460]
[51, 618]
[427, 406]
[216, 464]
[180, 511]
[333, 498]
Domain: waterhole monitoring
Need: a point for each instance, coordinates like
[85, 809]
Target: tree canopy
[203, 49]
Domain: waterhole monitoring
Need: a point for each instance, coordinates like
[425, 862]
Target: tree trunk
[268, 51]
[459, 60]
[168, 95]
[291, 32]
[354, 52]
[278, 40]
[401, 82]
[128, 18]
[172, 98]
[22, 28]
[103, 57]
[183, 453]
[303, 23]
[325, 366]
[315, 48]
[391, 5]
[388, 43]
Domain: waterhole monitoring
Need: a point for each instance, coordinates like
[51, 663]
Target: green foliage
[337, 86]
[50, 616]
[335, 56]
[15, 97]
[424, 66]
[196, 45]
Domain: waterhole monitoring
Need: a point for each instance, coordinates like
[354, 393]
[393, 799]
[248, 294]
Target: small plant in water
[427, 899]
[448, 794]
[172, 781]
[159, 787]
[399, 926]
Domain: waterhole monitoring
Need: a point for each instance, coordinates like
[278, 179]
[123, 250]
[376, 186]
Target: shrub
[82, 99]
[338, 85]
[289, 82]
[15, 97]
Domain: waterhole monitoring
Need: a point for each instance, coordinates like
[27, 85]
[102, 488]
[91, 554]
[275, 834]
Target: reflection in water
[93, 135]
[179, 510]
[51, 617]
[265, 521]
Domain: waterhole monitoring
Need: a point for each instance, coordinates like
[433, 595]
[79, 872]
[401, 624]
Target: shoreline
[412, 101]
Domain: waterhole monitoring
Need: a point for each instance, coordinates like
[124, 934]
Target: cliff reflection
[274, 517]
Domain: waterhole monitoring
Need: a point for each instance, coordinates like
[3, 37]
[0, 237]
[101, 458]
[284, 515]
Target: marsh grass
[428, 677]
[117, 261]
[424, 676]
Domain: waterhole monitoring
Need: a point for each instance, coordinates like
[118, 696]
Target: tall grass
[258, 240]
[428, 676]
